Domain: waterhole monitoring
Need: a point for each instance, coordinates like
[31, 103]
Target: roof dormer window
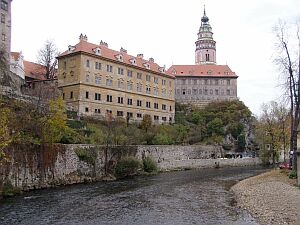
[133, 61]
[119, 57]
[162, 69]
[71, 48]
[146, 65]
[97, 51]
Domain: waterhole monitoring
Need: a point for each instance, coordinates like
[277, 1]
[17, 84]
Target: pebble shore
[271, 198]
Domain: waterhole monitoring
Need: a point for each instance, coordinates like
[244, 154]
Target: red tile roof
[84, 46]
[204, 70]
[34, 70]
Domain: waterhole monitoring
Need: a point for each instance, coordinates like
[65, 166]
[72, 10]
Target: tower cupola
[205, 45]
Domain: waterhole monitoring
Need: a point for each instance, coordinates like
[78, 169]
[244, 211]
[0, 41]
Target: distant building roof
[204, 70]
[102, 50]
[34, 71]
[15, 55]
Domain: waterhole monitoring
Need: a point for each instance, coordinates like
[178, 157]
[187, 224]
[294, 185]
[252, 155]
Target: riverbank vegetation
[228, 123]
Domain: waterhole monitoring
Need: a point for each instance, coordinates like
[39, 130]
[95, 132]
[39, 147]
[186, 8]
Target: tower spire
[205, 45]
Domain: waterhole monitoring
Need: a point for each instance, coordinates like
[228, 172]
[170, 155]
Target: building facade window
[120, 71]
[228, 92]
[156, 91]
[71, 94]
[109, 68]
[129, 101]
[164, 118]
[156, 118]
[121, 84]
[139, 76]
[164, 107]
[109, 82]
[3, 37]
[86, 94]
[129, 73]
[86, 109]
[148, 78]
[109, 98]
[87, 64]
[97, 111]
[129, 114]
[98, 66]
[148, 104]
[139, 102]
[163, 82]
[97, 96]
[129, 86]
[98, 80]
[139, 88]
[120, 100]
[139, 115]
[148, 90]
[155, 105]
[120, 113]
[156, 80]
[87, 78]
[228, 82]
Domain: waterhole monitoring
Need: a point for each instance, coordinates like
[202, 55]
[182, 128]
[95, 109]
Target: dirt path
[271, 198]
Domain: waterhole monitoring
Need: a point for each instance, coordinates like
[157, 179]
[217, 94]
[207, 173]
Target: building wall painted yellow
[80, 80]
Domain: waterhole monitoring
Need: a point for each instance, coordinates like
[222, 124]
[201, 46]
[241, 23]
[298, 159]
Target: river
[174, 198]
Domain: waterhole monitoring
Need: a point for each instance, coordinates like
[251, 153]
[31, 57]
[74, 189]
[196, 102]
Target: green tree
[55, 122]
[5, 137]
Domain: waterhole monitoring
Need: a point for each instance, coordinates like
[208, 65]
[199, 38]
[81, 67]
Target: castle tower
[5, 26]
[205, 45]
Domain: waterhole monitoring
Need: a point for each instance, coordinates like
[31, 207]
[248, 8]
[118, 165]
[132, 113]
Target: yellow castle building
[98, 81]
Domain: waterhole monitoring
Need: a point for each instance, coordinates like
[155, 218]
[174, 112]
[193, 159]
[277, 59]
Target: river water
[174, 198]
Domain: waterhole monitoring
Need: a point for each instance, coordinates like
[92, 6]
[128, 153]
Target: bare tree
[47, 57]
[288, 60]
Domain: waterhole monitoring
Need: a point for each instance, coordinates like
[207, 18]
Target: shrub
[149, 165]
[128, 166]
[87, 155]
[293, 175]
[9, 190]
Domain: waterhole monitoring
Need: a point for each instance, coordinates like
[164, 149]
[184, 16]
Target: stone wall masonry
[34, 167]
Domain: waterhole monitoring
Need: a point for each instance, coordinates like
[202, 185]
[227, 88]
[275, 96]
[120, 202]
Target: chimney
[102, 43]
[83, 37]
[122, 50]
[151, 60]
[141, 56]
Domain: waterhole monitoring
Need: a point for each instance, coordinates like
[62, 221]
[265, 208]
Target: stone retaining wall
[34, 167]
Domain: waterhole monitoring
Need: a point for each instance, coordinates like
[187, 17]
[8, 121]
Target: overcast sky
[165, 30]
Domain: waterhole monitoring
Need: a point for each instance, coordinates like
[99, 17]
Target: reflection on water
[177, 198]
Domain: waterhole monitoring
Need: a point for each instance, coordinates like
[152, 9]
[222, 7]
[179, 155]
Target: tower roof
[204, 18]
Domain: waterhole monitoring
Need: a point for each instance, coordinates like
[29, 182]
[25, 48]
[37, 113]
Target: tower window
[4, 5]
[3, 37]
[206, 57]
[2, 18]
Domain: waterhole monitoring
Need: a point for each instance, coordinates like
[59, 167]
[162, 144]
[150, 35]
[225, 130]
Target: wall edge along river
[35, 167]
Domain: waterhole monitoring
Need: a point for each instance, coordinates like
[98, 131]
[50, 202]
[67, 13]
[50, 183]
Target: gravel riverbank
[271, 198]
